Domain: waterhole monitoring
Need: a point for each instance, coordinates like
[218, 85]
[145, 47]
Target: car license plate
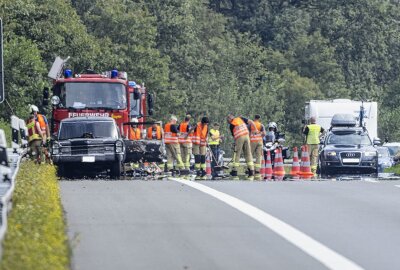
[88, 159]
[351, 160]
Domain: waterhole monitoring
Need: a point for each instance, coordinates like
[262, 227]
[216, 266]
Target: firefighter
[44, 127]
[214, 141]
[154, 132]
[185, 142]
[171, 140]
[313, 132]
[134, 133]
[257, 132]
[240, 133]
[35, 139]
[199, 140]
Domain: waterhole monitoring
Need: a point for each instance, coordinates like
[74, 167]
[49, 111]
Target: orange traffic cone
[208, 167]
[268, 167]
[295, 165]
[305, 169]
[279, 170]
[262, 170]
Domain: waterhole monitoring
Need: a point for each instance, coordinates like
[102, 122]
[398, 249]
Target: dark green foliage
[211, 57]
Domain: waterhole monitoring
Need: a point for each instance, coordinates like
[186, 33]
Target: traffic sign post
[1, 63]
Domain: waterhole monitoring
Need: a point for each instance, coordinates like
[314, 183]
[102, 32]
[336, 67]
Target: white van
[324, 110]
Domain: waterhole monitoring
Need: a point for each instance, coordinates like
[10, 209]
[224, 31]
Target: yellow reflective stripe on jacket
[240, 128]
[313, 134]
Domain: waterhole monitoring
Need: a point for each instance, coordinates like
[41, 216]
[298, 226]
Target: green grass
[6, 126]
[395, 169]
[36, 237]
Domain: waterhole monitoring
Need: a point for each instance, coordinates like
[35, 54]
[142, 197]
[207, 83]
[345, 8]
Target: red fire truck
[107, 94]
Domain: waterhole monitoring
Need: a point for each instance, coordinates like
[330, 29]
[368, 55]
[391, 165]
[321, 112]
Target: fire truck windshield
[91, 95]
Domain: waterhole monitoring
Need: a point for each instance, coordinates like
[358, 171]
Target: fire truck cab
[109, 95]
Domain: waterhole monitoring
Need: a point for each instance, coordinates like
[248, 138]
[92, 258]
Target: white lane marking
[312, 247]
[371, 180]
[397, 186]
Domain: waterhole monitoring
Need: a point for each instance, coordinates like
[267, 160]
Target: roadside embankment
[36, 237]
[394, 169]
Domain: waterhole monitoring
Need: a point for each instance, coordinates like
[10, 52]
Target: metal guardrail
[10, 159]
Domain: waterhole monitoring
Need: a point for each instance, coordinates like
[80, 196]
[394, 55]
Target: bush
[36, 237]
[394, 169]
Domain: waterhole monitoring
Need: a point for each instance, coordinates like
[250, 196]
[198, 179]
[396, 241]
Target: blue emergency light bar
[68, 73]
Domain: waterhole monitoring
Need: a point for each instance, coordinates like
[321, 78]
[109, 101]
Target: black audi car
[88, 144]
[347, 149]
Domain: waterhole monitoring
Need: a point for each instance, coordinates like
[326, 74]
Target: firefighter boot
[251, 175]
[257, 176]
[184, 174]
[198, 175]
[234, 175]
[203, 175]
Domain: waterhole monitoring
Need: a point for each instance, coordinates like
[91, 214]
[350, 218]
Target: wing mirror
[150, 104]
[377, 141]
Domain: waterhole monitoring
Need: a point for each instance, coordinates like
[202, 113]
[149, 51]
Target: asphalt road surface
[136, 224]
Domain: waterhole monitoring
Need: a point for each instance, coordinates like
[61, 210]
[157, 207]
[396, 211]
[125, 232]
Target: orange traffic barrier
[208, 167]
[279, 170]
[305, 168]
[268, 167]
[295, 165]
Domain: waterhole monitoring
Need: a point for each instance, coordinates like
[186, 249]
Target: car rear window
[86, 129]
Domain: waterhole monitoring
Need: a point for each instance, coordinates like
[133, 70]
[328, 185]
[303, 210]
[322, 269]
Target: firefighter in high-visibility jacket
[185, 141]
[199, 140]
[214, 141]
[154, 132]
[240, 133]
[44, 127]
[313, 132]
[171, 139]
[134, 132]
[257, 132]
[35, 139]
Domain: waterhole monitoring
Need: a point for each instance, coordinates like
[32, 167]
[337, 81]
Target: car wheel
[61, 170]
[321, 170]
[116, 170]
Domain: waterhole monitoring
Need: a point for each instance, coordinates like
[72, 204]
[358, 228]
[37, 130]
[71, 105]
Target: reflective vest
[42, 122]
[184, 136]
[169, 136]
[240, 128]
[33, 132]
[214, 133]
[135, 134]
[253, 136]
[154, 134]
[313, 134]
[200, 134]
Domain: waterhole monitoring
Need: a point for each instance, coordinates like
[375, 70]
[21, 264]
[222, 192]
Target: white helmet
[134, 120]
[272, 125]
[33, 108]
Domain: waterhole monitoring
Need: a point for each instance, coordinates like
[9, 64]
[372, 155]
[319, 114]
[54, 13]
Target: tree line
[212, 57]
